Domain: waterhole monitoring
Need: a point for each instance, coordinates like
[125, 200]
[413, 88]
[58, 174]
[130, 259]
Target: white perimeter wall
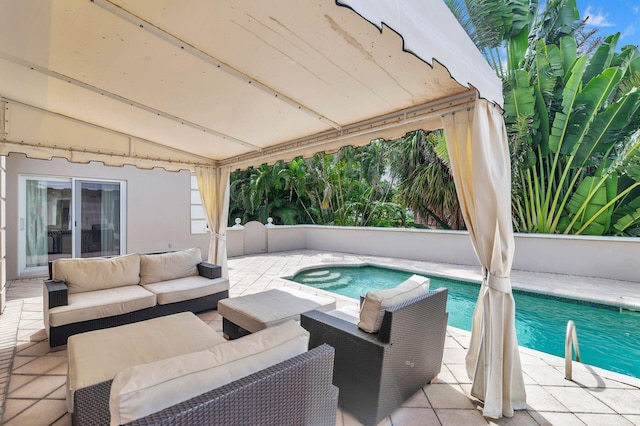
[158, 204]
[603, 257]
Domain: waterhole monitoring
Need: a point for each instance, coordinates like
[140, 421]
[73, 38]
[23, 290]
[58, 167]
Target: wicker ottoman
[247, 314]
[97, 356]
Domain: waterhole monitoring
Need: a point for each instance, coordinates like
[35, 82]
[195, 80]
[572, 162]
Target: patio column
[3, 231]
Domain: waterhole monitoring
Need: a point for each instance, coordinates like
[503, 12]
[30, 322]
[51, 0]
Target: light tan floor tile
[579, 400]
[408, 416]
[63, 421]
[417, 400]
[547, 376]
[445, 376]
[622, 401]
[33, 349]
[448, 417]
[447, 396]
[43, 412]
[556, 419]
[634, 419]
[603, 419]
[18, 380]
[454, 355]
[19, 361]
[60, 393]
[40, 365]
[539, 399]
[459, 371]
[39, 388]
[15, 406]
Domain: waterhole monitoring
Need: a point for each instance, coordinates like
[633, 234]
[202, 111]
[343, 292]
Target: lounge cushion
[101, 304]
[257, 311]
[97, 356]
[376, 302]
[82, 275]
[145, 389]
[187, 288]
[168, 266]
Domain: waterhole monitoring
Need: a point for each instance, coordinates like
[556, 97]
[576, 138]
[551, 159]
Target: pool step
[329, 277]
[320, 273]
[334, 285]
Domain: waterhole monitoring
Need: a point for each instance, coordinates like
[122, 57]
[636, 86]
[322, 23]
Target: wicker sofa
[95, 293]
[378, 369]
[188, 374]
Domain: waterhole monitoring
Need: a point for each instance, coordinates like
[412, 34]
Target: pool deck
[32, 377]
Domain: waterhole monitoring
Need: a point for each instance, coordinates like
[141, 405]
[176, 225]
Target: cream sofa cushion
[97, 356]
[101, 304]
[139, 391]
[376, 302]
[168, 266]
[82, 275]
[187, 288]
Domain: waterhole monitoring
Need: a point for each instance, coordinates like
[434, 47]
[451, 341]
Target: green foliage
[345, 188]
[572, 110]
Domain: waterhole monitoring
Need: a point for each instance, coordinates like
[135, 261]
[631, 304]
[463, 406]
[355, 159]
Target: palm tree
[421, 164]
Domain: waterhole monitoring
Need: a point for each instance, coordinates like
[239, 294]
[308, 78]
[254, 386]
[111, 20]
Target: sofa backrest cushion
[139, 391]
[82, 275]
[375, 302]
[169, 266]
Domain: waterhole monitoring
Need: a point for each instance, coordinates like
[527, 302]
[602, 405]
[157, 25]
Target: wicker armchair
[295, 392]
[376, 373]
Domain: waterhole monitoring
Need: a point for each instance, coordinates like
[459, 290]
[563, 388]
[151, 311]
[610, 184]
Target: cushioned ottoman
[97, 356]
[247, 314]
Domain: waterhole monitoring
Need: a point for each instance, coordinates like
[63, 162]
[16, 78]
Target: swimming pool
[608, 338]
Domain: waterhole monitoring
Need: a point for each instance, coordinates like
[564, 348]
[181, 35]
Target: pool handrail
[571, 339]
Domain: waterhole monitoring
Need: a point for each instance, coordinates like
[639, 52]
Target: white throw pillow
[169, 266]
[139, 391]
[82, 275]
[376, 302]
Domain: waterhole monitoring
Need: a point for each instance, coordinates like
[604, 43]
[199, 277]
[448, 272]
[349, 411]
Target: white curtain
[110, 219]
[36, 227]
[479, 153]
[213, 183]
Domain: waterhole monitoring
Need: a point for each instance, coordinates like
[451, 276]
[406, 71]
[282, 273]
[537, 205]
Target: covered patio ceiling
[224, 83]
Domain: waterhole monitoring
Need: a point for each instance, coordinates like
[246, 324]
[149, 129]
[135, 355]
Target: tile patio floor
[32, 376]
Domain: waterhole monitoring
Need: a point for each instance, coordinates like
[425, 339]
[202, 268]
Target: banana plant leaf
[627, 217]
[602, 58]
[569, 95]
[586, 208]
[588, 103]
[610, 126]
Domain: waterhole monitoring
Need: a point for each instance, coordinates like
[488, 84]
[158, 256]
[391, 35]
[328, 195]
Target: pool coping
[629, 303]
[554, 359]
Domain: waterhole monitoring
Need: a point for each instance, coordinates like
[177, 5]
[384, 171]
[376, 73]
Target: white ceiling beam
[417, 114]
[184, 46]
[122, 99]
[6, 102]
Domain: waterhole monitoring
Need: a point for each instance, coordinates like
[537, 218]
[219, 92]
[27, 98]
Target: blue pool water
[608, 338]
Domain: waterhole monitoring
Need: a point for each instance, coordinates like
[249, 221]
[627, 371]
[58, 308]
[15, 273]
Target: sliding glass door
[65, 217]
[97, 219]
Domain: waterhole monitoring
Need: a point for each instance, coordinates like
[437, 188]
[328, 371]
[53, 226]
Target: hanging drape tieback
[220, 237]
[502, 284]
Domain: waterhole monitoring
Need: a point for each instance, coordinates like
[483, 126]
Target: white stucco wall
[3, 231]
[601, 257]
[158, 204]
